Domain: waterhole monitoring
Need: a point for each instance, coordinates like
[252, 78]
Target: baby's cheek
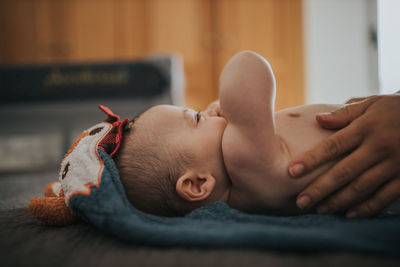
[214, 138]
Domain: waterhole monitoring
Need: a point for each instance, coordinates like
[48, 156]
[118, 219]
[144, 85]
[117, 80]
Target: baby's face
[198, 134]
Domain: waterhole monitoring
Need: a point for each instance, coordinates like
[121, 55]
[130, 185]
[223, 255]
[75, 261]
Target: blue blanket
[219, 226]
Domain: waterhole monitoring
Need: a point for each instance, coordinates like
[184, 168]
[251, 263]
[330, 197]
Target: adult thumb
[343, 116]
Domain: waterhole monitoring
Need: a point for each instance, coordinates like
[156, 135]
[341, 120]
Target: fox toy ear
[52, 209]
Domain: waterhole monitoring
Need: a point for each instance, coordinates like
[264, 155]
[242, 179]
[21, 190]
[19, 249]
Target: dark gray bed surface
[26, 242]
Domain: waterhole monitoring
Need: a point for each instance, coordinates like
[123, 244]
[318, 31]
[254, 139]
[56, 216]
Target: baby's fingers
[385, 196]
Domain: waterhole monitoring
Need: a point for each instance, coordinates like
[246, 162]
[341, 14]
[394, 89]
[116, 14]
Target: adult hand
[359, 99]
[367, 178]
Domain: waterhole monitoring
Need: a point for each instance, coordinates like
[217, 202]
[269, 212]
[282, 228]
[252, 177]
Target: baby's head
[170, 161]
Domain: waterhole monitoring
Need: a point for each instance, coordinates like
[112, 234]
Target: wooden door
[272, 28]
[71, 30]
[17, 37]
[183, 26]
[206, 33]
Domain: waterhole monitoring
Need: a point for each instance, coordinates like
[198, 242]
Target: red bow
[112, 141]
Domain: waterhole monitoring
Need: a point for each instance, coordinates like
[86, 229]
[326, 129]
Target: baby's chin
[225, 124]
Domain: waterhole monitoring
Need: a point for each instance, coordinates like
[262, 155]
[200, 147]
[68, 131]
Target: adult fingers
[343, 116]
[339, 175]
[328, 149]
[385, 196]
[355, 99]
[359, 189]
[338, 143]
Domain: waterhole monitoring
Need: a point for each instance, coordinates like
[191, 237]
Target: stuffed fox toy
[80, 171]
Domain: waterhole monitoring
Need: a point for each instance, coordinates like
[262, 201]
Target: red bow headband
[112, 141]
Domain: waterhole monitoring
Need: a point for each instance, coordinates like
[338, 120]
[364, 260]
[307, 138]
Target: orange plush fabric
[49, 191]
[51, 208]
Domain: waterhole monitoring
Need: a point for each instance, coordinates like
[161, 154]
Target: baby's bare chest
[299, 129]
[264, 182]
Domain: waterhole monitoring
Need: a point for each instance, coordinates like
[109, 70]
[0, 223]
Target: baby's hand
[214, 109]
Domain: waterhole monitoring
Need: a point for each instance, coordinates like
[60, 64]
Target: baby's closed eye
[198, 116]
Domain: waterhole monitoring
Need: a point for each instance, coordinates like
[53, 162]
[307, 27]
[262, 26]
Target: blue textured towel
[218, 225]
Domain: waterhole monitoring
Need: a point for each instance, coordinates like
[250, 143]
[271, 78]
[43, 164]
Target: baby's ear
[194, 187]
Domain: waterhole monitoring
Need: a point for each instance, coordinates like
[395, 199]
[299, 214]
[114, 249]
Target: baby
[173, 159]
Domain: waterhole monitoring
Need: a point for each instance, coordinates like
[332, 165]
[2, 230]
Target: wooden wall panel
[205, 32]
[71, 30]
[94, 25]
[271, 28]
[17, 35]
[183, 26]
[129, 29]
[56, 31]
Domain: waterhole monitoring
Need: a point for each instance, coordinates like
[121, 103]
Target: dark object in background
[80, 81]
[43, 108]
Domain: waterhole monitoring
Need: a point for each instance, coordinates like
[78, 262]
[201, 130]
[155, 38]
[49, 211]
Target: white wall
[340, 59]
[389, 45]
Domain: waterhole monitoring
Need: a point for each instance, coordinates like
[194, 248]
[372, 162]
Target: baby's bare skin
[258, 143]
[299, 131]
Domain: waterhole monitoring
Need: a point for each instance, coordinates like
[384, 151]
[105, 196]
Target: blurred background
[321, 51]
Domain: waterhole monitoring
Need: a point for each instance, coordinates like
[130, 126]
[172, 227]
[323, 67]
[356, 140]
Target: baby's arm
[247, 95]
